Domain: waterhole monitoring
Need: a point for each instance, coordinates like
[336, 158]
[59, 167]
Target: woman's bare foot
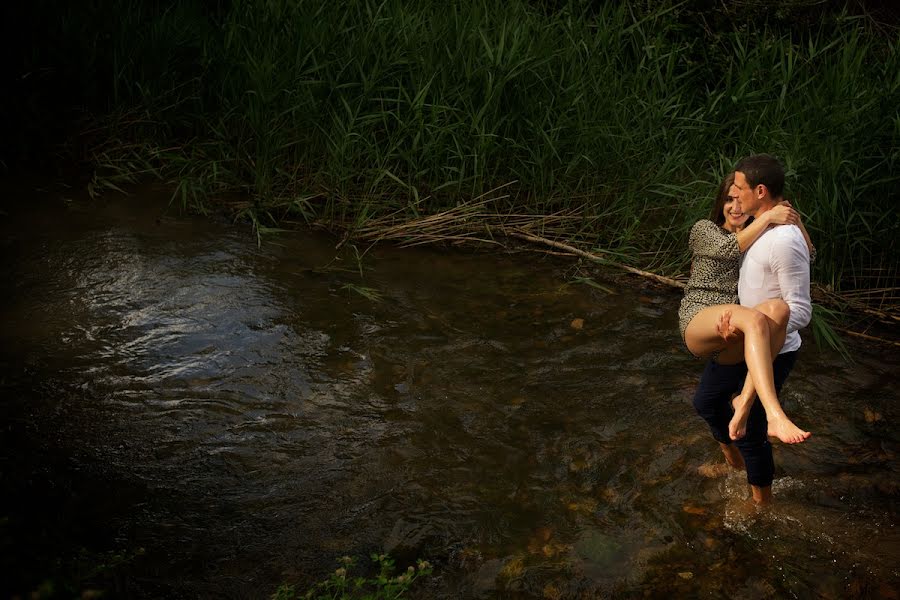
[785, 430]
[737, 427]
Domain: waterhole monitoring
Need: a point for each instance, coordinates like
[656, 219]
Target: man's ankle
[761, 495]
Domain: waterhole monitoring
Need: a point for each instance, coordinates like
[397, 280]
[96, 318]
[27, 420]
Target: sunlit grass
[822, 324]
[368, 293]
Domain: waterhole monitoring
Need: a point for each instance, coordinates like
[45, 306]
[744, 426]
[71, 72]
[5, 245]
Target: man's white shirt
[777, 266]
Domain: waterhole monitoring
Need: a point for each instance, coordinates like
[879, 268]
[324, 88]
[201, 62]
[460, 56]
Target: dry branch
[474, 223]
[871, 338]
[577, 251]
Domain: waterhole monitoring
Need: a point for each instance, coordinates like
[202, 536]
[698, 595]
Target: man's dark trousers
[712, 400]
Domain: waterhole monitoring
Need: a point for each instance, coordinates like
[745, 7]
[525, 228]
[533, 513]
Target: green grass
[341, 585]
[344, 112]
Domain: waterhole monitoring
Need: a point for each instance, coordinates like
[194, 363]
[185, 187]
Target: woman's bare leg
[703, 337]
[777, 313]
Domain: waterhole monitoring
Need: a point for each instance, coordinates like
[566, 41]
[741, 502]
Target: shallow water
[188, 414]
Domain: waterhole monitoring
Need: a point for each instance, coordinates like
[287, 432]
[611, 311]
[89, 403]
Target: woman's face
[734, 214]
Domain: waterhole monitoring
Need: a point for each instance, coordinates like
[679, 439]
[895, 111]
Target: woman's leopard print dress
[714, 271]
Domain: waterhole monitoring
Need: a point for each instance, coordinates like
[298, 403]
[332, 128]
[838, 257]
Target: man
[775, 266]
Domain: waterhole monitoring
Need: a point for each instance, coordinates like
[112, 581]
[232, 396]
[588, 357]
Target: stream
[187, 413]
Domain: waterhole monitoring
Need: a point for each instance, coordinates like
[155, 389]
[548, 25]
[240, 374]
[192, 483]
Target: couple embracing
[746, 299]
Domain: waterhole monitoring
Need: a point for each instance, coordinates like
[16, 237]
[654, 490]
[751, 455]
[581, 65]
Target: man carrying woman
[766, 265]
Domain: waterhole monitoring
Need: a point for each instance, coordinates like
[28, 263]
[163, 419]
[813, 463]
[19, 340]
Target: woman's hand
[724, 327]
[799, 223]
[782, 214]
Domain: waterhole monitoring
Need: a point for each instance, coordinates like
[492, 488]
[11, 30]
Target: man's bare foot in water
[712, 470]
[737, 427]
[733, 456]
[785, 430]
[733, 461]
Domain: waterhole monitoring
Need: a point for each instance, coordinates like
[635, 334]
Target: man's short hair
[763, 169]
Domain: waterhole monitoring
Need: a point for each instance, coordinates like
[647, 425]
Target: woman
[714, 324]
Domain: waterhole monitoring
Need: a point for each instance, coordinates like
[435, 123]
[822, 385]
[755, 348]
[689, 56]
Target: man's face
[749, 197]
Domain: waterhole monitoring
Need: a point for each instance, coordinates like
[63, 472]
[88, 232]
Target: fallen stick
[426, 230]
[578, 252]
[871, 338]
[666, 280]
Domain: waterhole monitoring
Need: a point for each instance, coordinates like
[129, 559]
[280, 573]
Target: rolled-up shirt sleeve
[790, 264]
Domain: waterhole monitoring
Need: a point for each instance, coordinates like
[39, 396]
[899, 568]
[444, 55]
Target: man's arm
[790, 264]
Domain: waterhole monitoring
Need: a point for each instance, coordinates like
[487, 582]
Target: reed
[348, 113]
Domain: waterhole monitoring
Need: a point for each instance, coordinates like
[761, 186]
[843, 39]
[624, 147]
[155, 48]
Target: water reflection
[245, 418]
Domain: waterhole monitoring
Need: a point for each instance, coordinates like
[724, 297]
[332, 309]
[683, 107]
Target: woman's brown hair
[717, 215]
